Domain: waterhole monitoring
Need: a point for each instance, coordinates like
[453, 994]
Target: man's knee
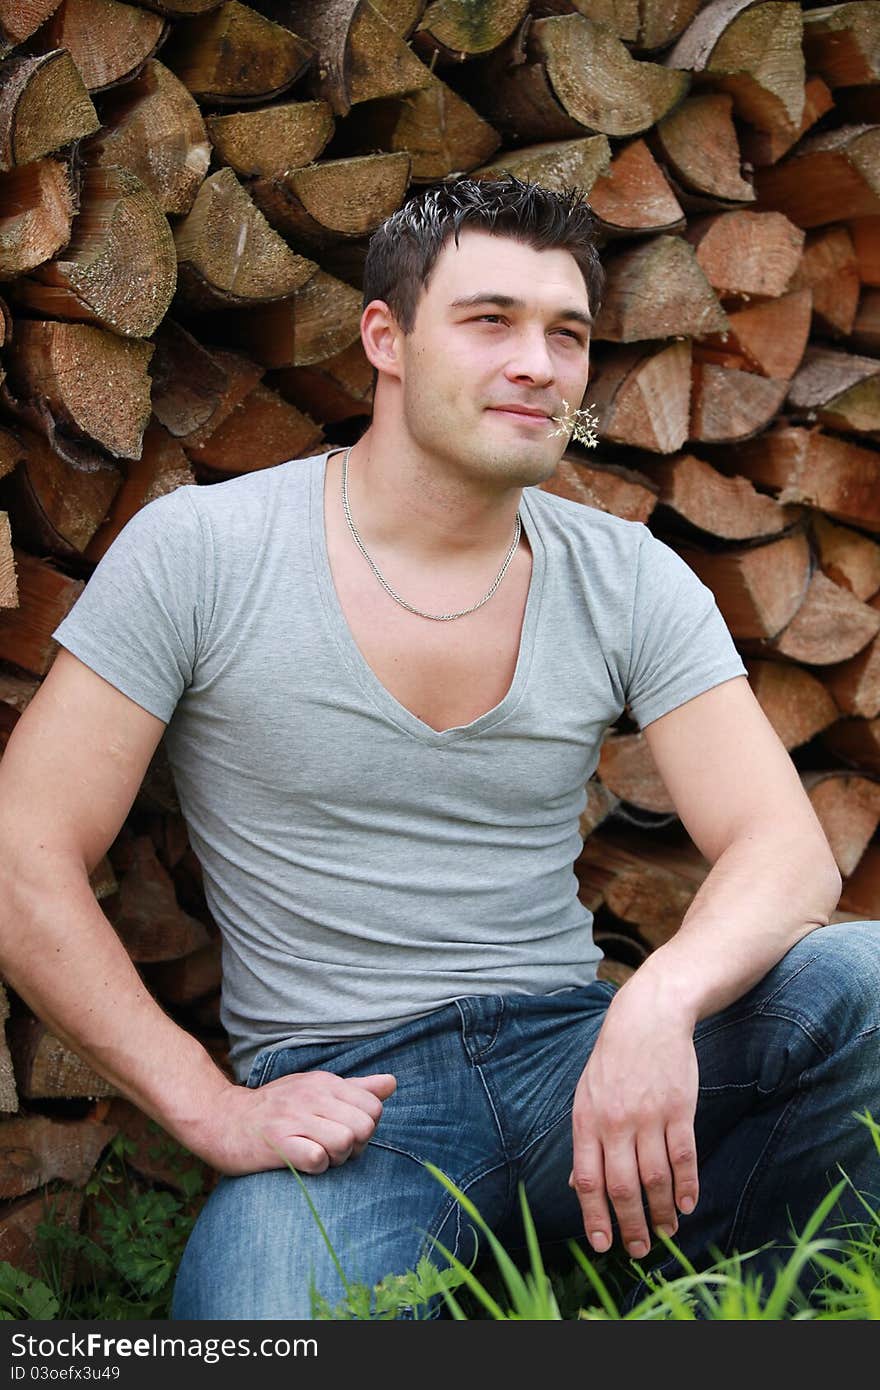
[843, 975]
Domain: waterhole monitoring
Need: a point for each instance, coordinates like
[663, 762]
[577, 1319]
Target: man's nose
[531, 359]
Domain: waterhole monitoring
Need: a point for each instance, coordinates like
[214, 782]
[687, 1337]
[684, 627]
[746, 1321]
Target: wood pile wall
[186, 192]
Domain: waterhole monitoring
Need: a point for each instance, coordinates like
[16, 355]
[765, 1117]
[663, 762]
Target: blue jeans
[485, 1090]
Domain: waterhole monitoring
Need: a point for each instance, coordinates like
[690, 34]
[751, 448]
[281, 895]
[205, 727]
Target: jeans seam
[467, 1181]
[875, 1028]
[564, 1114]
[477, 1057]
[256, 1078]
[823, 1044]
[759, 1007]
[739, 1217]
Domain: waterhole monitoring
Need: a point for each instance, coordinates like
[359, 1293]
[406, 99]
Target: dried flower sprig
[579, 424]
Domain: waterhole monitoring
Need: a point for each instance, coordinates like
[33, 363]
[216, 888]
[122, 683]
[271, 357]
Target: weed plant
[126, 1267]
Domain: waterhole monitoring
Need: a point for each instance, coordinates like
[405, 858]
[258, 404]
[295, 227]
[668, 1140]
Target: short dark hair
[403, 251]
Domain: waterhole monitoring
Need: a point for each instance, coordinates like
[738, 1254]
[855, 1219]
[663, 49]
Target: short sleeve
[680, 644]
[139, 619]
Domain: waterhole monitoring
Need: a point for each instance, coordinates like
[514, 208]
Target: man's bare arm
[68, 777]
[773, 881]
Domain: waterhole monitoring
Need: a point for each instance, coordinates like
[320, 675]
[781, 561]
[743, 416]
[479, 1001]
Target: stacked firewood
[187, 188]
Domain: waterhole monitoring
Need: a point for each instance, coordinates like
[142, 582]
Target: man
[385, 674]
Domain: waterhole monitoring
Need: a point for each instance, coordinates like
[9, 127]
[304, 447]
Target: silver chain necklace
[435, 617]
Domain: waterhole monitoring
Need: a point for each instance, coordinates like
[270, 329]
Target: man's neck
[416, 504]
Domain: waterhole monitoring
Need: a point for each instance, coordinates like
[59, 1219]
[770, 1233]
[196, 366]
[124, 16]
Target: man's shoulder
[234, 497]
[583, 523]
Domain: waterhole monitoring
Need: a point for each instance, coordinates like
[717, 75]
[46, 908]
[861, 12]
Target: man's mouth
[521, 413]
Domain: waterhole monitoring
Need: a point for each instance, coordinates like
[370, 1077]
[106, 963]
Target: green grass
[125, 1268]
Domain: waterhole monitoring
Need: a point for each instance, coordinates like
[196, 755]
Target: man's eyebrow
[507, 301]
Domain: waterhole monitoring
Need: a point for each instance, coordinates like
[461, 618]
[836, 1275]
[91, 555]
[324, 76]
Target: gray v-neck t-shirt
[364, 868]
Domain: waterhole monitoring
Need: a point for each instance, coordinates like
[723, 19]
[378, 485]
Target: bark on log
[233, 54]
[154, 129]
[609, 488]
[642, 396]
[108, 41]
[44, 597]
[753, 51]
[808, 466]
[162, 467]
[769, 338]
[37, 204]
[54, 506]
[627, 768]
[94, 383]
[119, 269]
[339, 198]
[35, 1150]
[842, 43]
[228, 254]
[336, 389]
[457, 29]
[746, 254]
[363, 56]
[43, 105]
[657, 290]
[758, 590]
[849, 558]
[829, 177]
[848, 808]
[565, 76]
[46, 1069]
[839, 389]
[319, 321]
[268, 141]
[729, 508]
[830, 269]
[8, 1091]
[795, 702]
[435, 127]
[728, 405]
[8, 582]
[698, 141]
[262, 431]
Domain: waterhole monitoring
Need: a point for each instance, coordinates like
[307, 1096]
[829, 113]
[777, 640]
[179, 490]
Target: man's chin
[527, 467]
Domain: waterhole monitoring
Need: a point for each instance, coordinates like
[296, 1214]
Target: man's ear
[382, 336]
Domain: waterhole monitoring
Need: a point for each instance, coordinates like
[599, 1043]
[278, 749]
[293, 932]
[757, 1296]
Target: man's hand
[312, 1120]
[633, 1121]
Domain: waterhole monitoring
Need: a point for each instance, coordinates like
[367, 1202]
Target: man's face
[501, 330]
